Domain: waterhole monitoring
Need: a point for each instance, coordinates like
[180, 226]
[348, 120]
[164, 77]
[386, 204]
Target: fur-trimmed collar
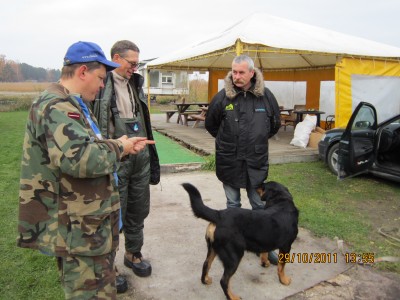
[257, 85]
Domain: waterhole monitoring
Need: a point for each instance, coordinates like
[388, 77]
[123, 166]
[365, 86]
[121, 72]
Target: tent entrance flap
[374, 81]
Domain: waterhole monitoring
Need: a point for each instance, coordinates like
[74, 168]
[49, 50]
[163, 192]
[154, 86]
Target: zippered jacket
[242, 122]
[102, 111]
[68, 199]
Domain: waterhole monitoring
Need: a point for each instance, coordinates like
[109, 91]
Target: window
[166, 78]
[365, 118]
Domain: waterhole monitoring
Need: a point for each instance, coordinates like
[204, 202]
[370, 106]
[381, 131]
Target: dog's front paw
[285, 280]
[264, 260]
[234, 297]
[265, 264]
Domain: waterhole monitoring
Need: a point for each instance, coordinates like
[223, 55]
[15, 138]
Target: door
[356, 147]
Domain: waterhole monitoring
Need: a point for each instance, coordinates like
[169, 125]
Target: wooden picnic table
[200, 117]
[285, 111]
[184, 114]
[169, 114]
[300, 114]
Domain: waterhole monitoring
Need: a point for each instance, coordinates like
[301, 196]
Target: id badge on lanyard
[135, 126]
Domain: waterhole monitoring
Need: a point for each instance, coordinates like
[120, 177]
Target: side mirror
[362, 124]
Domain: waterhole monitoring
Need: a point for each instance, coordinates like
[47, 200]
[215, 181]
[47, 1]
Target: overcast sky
[38, 32]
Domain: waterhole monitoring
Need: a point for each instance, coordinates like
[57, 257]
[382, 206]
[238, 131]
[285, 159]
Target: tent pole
[148, 87]
[239, 47]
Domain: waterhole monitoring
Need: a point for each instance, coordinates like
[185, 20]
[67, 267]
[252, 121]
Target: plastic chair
[291, 118]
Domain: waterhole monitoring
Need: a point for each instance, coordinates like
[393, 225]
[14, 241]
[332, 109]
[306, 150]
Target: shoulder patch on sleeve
[74, 115]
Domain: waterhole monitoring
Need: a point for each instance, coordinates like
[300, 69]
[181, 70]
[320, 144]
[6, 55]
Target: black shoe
[121, 284]
[142, 268]
[273, 258]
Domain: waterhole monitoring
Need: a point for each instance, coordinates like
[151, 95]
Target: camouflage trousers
[88, 277]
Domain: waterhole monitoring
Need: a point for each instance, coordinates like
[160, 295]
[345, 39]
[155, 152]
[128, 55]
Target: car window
[396, 121]
[364, 119]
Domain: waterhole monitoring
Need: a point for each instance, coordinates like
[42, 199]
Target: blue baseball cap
[82, 52]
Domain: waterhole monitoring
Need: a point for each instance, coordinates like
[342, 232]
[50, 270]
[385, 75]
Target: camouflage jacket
[68, 200]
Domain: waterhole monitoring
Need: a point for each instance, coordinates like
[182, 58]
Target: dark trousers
[134, 189]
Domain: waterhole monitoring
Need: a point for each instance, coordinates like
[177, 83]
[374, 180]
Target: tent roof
[274, 43]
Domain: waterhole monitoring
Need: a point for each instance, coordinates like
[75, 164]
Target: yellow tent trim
[239, 47]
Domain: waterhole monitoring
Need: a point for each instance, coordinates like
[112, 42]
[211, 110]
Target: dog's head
[273, 192]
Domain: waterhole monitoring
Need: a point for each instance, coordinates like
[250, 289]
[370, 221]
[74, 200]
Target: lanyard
[88, 118]
[93, 126]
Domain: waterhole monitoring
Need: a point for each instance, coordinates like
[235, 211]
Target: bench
[198, 118]
[169, 114]
[187, 116]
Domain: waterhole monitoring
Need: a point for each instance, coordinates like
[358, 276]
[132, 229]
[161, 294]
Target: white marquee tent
[321, 68]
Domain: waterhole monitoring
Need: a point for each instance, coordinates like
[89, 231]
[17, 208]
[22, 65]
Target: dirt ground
[177, 262]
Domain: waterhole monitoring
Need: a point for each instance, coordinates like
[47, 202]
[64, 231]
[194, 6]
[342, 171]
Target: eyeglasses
[134, 65]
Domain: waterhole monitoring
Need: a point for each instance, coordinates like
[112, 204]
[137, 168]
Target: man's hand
[139, 143]
[135, 144]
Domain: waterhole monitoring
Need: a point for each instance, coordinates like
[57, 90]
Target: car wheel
[333, 157]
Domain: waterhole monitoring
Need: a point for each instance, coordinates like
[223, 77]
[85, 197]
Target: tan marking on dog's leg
[232, 296]
[210, 259]
[210, 254]
[226, 285]
[210, 232]
[260, 191]
[281, 274]
[264, 259]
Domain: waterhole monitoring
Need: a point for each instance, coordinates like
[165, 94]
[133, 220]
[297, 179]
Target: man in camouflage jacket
[68, 202]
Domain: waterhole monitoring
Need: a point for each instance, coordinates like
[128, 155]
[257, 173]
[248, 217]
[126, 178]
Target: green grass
[327, 207]
[319, 191]
[156, 108]
[25, 274]
[352, 210]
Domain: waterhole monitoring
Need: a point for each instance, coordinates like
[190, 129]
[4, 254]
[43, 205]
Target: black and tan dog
[235, 230]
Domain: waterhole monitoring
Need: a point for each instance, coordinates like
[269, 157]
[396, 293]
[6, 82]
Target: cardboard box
[315, 137]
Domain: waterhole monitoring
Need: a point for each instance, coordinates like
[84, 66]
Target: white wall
[287, 93]
[381, 91]
[327, 98]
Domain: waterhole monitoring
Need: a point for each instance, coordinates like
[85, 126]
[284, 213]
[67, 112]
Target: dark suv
[364, 146]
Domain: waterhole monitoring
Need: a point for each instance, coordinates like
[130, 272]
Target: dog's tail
[198, 207]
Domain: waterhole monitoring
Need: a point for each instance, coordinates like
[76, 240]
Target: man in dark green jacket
[121, 109]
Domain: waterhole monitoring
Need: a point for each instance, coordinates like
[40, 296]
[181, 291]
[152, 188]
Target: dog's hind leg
[231, 263]
[281, 270]
[207, 265]
[225, 283]
[205, 279]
